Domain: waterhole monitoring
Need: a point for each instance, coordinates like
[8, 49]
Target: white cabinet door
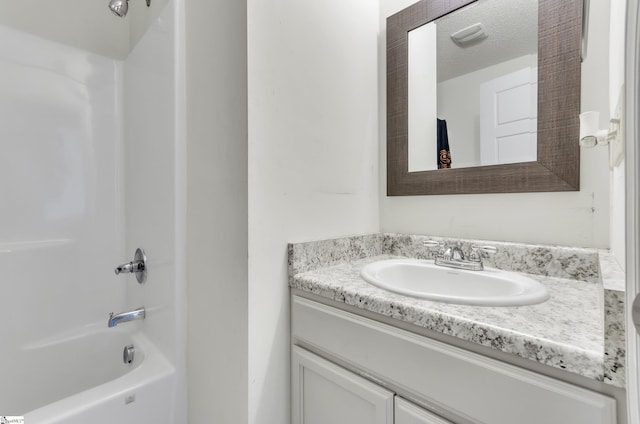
[324, 393]
[408, 413]
[464, 383]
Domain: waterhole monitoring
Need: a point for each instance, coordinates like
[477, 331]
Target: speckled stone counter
[613, 280]
[550, 333]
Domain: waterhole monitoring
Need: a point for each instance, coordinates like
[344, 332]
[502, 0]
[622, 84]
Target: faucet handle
[129, 267]
[431, 244]
[475, 252]
[138, 266]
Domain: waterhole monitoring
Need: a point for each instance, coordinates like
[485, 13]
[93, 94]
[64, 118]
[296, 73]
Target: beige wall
[575, 218]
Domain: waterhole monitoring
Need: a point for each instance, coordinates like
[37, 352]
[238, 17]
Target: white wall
[575, 218]
[140, 17]
[155, 178]
[313, 162]
[216, 70]
[422, 99]
[87, 25]
[60, 233]
[150, 170]
[616, 85]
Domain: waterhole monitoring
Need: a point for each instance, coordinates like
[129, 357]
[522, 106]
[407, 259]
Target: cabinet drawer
[471, 386]
[408, 413]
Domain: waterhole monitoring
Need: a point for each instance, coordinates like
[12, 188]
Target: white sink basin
[423, 279]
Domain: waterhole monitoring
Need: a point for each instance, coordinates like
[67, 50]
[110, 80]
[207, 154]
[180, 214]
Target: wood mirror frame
[558, 162]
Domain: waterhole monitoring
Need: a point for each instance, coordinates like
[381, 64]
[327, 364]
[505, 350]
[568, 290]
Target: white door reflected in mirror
[474, 103]
[509, 118]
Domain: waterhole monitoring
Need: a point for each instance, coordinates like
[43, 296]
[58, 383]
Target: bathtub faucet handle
[130, 267]
[138, 266]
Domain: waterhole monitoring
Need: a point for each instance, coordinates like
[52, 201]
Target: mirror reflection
[472, 88]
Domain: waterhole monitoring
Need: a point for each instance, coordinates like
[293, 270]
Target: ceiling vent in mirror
[470, 34]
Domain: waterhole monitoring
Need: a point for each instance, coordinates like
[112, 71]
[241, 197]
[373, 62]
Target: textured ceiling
[512, 28]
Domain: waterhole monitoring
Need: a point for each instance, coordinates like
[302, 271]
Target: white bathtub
[82, 379]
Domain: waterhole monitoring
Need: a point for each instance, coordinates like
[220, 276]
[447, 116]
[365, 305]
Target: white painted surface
[408, 413]
[149, 174]
[141, 394]
[445, 377]
[616, 88]
[87, 25]
[140, 18]
[323, 392]
[155, 175]
[632, 204]
[508, 118]
[573, 218]
[62, 202]
[423, 101]
[216, 71]
[313, 162]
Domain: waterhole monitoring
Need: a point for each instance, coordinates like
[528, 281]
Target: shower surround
[93, 166]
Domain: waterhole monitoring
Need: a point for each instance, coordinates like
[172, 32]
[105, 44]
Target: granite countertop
[567, 331]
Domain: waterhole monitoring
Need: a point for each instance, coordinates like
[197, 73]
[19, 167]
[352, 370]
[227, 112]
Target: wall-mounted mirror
[483, 96]
[482, 61]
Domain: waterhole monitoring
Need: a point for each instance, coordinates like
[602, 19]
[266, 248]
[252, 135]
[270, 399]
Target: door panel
[323, 392]
[508, 118]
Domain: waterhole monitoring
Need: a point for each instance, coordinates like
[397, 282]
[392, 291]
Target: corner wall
[313, 162]
[149, 174]
[572, 218]
[155, 167]
[216, 75]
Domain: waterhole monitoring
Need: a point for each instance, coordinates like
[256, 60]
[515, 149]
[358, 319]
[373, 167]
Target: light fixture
[475, 32]
[590, 132]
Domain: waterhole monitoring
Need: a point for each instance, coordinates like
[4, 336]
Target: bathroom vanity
[361, 354]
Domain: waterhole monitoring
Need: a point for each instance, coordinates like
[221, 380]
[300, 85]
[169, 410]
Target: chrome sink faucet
[453, 252]
[452, 256]
[126, 317]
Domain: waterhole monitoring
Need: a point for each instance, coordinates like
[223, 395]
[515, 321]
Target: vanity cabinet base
[463, 386]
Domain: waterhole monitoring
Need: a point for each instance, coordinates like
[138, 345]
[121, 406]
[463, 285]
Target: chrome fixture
[121, 7]
[128, 354]
[138, 266]
[452, 256]
[126, 317]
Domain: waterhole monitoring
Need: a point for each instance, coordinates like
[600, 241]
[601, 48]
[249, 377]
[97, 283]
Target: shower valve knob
[131, 267]
[138, 266]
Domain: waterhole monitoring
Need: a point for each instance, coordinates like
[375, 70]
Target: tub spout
[125, 317]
